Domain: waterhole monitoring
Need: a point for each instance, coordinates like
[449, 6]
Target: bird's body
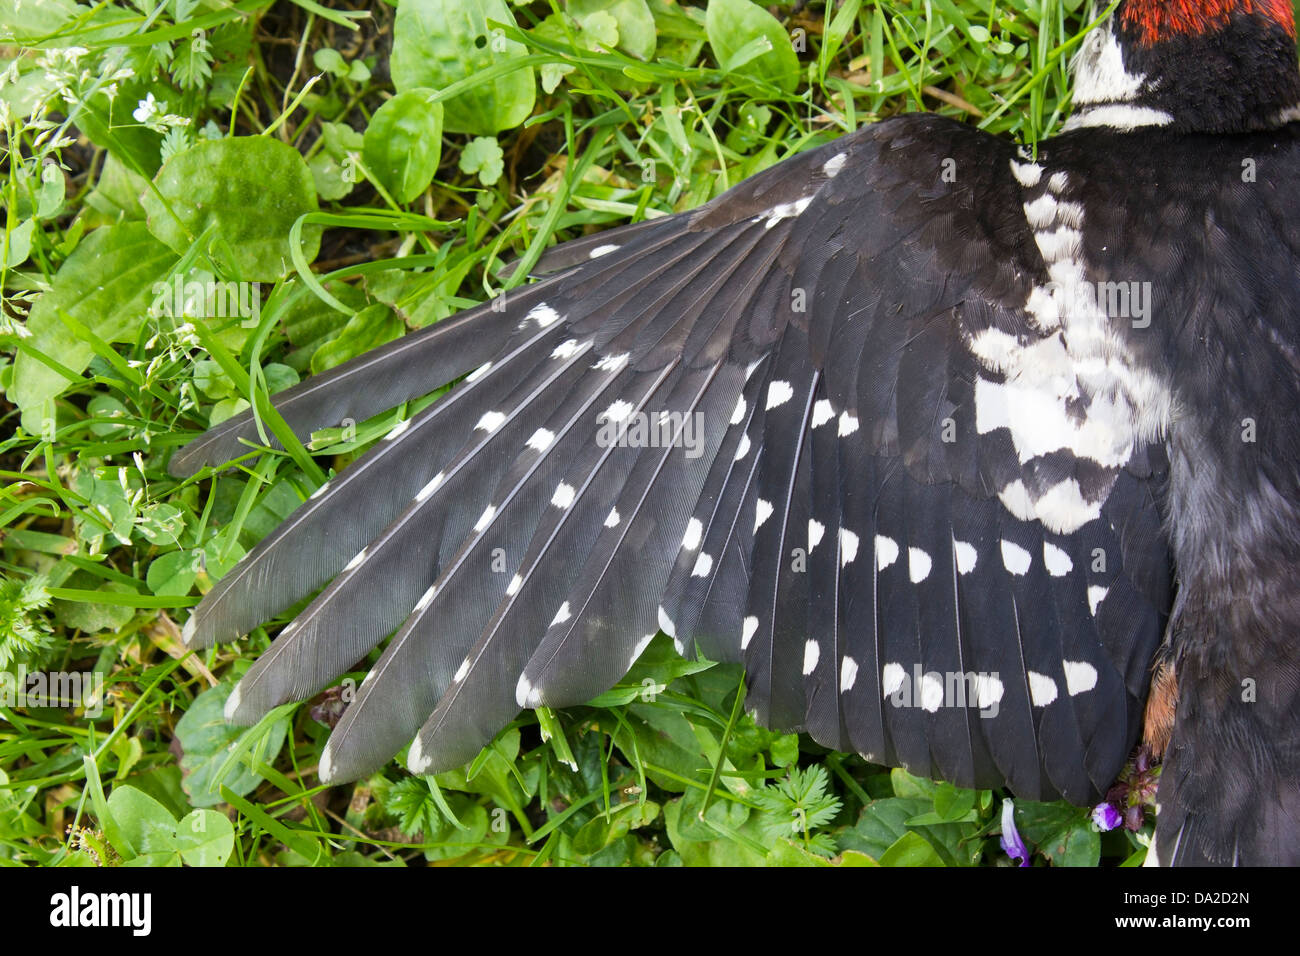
[939, 416]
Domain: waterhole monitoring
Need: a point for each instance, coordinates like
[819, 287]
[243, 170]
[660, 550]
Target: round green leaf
[439, 42]
[749, 41]
[205, 838]
[404, 142]
[251, 189]
[636, 24]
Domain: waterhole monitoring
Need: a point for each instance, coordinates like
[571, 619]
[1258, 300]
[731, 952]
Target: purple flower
[1106, 817]
[1012, 845]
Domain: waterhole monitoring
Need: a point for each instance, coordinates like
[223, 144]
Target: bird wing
[831, 425]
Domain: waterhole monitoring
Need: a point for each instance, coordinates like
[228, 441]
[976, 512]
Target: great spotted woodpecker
[1029, 420]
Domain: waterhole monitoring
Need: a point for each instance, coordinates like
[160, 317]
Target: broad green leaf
[1062, 833]
[911, 849]
[207, 740]
[174, 573]
[368, 329]
[18, 244]
[204, 838]
[750, 41]
[439, 42]
[107, 286]
[787, 853]
[142, 824]
[116, 196]
[636, 25]
[404, 142]
[251, 189]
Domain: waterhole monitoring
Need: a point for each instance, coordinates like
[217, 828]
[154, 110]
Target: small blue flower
[1106, 817]
[1012, 845]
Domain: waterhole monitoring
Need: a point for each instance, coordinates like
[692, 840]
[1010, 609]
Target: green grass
[103, 552]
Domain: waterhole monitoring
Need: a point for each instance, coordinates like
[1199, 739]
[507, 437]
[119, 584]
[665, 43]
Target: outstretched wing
[841, 424]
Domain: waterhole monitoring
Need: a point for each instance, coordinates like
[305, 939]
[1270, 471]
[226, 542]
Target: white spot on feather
[459, 676]
[602, 251]
[815, 531]
[742, 449]
[232, 702]
[1057, 561]
[612, 363]
[694, 532]
[564, 495]
[848, 674]
[1080, 676]
[1096, 594]
[356, 560]
[617, 411]
[479, 372]
[543, 315]
[641, 645]
[561, 615]
[1027, 174]
[1015, 558]
[891, 678]
[1042, 689]
[703, 565]
[822, 413]
[432, 486]
[930, 693]
[848, 547]
[541, 439]
[738, 415]
[967, 556]
[485, 518]
[988, 691]
[567, 349]
[886, 552]
[848, 424]
[811, 653]
[513, 587]
[526, 695]
[490, 421]
[762, 511]
[778, 393]
[397, 430]
[613, 518]
[747, 631]
[666, 623]
[832, 166]
[918, 565]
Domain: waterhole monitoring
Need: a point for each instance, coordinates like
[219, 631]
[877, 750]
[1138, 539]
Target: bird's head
[1192, 65]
